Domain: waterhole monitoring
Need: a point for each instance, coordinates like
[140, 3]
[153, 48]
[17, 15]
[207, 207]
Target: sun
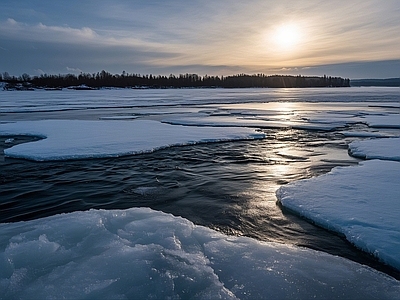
[287, 36]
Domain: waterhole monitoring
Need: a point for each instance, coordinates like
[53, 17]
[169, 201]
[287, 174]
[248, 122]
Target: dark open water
[226, 186]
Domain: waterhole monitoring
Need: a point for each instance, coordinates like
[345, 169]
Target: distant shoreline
[103, 79]
[388, 82]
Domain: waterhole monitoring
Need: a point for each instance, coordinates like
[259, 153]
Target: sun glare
[287, 36]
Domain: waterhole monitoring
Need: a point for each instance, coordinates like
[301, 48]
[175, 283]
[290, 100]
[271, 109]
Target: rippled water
[226, 186]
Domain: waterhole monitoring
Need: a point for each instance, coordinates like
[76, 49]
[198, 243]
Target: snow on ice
[386, 121]
[361, 202]
[78, 139]
[233, 121]
[139, 253]
[386, 149]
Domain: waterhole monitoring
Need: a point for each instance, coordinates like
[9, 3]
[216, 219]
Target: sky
[347, 38]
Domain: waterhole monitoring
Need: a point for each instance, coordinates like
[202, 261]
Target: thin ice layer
[361, 202]
[386, 121]
[258, 122]
[143, 254]
[386, 149]
[78, 139]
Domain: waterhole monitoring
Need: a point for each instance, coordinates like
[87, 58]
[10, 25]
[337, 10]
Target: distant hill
[375, 82]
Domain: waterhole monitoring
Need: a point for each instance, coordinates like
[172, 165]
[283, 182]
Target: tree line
[125, 80]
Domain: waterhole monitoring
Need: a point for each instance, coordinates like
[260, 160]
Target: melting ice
[141, 253]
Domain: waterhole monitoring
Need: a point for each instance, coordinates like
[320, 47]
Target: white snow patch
[360, 202]
[9, 141]
[386, 121]
[78, 139]
[386, 149]
[365, 134]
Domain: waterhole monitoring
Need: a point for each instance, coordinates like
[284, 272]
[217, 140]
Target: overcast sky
[348, 38]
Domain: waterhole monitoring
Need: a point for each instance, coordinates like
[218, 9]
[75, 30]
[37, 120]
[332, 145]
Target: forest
[105, 79]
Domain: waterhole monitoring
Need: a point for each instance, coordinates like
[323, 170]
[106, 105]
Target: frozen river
[216, 158]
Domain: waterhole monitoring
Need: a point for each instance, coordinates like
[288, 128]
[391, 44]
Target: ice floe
[78, 139]
[361, 202]
[386, 149]
[385, 121]
[139, 253]
[255, 122]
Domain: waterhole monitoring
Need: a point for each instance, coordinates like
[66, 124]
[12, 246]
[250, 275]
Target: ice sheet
[140, 252]
[118, 118]
[386, 149]
[256, 122]
[361, 202]
[78, 139]
[365, 134]
[41, 100]
[143, 254]
[386, 121]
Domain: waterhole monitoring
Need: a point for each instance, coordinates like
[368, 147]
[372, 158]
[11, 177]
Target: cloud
[84, 32]
[75, 70]
[12, 22]
[40, 32]
[40, 72]
[85, 37]
[288, 69]
[54, 58]
[182, 35]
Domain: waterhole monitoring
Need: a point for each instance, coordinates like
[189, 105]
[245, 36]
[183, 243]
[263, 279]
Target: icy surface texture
[386, 149]
[78, 139]
[143, 254]
[361, 202]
